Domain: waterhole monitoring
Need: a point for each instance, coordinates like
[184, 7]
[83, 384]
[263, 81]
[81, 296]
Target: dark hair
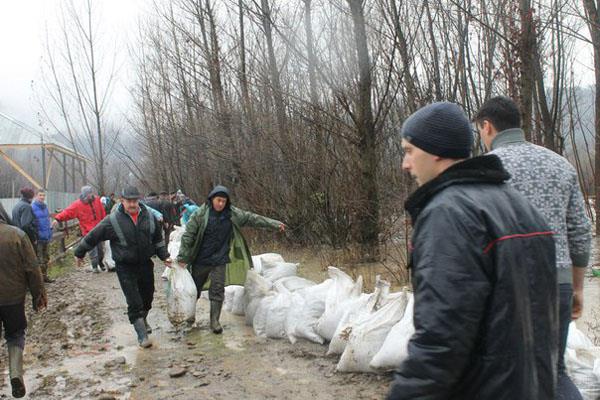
[163, 193]
[500, 111]
[152, 194]
[27, 193]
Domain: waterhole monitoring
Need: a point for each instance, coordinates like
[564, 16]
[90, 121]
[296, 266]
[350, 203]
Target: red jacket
[88, 214]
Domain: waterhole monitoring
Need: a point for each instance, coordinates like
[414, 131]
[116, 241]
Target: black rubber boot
[15, 362]
[215, 314]
[142, 335]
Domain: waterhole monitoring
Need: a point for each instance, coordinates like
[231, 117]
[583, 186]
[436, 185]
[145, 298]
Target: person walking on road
[483, 273]
[23, 217]
[135, 236]
[215, 248]
[44, 227]
[19, 274]
[88, 209]
[551, 184]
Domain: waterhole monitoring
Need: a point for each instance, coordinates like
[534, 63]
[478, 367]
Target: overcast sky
[22, 31]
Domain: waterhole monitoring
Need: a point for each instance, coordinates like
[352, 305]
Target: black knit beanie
[441, 129]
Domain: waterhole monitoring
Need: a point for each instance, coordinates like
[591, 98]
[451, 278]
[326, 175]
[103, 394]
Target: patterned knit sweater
[550, 182]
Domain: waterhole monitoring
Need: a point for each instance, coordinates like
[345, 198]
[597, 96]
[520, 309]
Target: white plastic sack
[108, 260]
[395, 346]
[256, 287]
[277, 315]
[237, 305]
[230, 292]
[583, 366]
[259, 322]
[275, 271]
[292, 284]
[257, 261]
[368, 336]
[175, 241]
[342, 290]
[181, 296]
[356, 310]
[307, 306]
[576, 340]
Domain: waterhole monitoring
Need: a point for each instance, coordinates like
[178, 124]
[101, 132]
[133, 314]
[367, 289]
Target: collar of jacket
[508, 136]
[477, 170]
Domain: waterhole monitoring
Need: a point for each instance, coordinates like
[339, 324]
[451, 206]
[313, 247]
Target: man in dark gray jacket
[483, 273]
[135, 236]
[23, 216]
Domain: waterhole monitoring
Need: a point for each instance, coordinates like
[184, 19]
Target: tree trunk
[593, 21]
[369, 205]
[527, 42]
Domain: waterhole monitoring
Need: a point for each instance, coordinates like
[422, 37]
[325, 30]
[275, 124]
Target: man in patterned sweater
[550, 183]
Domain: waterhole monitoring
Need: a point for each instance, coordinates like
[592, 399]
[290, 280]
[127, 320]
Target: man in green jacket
[215, 249]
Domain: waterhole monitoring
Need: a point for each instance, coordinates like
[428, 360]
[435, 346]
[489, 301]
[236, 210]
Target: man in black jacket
[23, 216]
[135, 236]
[483, 273]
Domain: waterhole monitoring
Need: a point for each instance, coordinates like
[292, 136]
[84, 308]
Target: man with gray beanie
[483, 273]
[88, 209]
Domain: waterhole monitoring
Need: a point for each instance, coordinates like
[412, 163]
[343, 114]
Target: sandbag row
[369, 331]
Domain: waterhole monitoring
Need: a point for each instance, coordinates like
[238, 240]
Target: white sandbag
[237, 305]
[257, 261]
[108, 260]
[368, 336]
[583, 366]
[181, 296]
[279, 270]
[277, 315]
[175, 241]
[292, 284]
[307, 306]
[343, 290]
[230, 292]
[356, 311]
[256, 287]
[395, 347]
[577, 340]
[259, 323]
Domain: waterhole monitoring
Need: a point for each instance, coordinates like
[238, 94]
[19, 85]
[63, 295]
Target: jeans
[201, 274]
[137, 284]
[565, 389]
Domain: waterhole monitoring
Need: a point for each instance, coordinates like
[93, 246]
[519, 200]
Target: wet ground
[83, 347]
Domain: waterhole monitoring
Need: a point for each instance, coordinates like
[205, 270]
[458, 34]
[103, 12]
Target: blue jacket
[44, 227]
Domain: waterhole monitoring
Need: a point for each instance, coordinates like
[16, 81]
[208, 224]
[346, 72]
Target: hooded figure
[215, 249]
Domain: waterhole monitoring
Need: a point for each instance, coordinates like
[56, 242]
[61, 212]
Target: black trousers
[14, 322]
[137, 283]
[201, 274]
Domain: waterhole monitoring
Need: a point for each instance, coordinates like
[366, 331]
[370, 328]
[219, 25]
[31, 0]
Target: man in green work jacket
[215, 248]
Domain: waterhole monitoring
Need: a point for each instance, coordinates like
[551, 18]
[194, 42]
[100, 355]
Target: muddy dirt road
[83, 347]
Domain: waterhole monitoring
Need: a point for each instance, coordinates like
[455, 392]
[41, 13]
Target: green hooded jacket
[239, 253]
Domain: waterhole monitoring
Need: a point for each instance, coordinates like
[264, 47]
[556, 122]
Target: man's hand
[79, 262]
[577, 304]
[55, 223]
[168, 262]
[40, 302]
[282, 228]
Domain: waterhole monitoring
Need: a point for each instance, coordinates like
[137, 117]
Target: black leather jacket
[484, 279]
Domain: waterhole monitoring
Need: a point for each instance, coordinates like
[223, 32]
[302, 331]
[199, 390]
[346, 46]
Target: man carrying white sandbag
[135, 236]
[483, 273]
[215, 248]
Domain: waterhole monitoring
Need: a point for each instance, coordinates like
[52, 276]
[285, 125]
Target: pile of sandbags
[280, 305]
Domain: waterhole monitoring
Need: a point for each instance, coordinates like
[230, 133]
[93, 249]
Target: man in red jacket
[88, 209]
